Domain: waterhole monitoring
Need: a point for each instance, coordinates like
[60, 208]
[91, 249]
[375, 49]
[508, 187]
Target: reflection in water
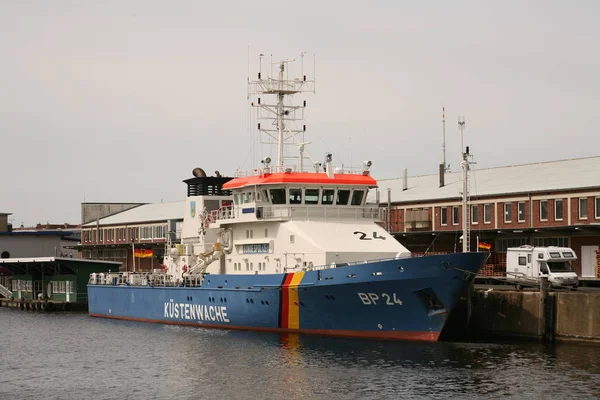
[73, 356]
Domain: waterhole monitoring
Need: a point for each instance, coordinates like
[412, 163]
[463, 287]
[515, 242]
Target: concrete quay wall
[564, 316]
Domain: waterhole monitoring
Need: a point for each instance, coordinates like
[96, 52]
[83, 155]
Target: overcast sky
[118, 101]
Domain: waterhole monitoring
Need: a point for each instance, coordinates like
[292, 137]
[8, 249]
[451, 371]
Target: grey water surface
[74, 356]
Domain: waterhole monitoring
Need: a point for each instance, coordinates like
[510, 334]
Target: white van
[526, 264]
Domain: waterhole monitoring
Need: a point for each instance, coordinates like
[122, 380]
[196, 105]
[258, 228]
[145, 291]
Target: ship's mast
[282, 116]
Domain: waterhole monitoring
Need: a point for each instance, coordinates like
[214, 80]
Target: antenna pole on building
[466, 211]
[444, 137]
[461, 127]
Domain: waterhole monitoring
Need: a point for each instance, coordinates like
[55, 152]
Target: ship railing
[345, 264]
[225, 212]
[132, 279]
[305, 212]
[333, 213]
[294, 169]
[336, 265]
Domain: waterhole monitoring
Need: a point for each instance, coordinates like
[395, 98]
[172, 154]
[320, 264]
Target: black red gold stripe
[289, 313]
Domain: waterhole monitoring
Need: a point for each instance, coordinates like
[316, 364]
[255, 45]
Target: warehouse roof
[144, 213]
[573, 174]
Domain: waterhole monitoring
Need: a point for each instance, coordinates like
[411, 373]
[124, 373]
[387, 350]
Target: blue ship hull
[395, 299]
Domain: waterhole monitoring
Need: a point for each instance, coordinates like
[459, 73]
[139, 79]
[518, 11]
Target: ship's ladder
[4, 291]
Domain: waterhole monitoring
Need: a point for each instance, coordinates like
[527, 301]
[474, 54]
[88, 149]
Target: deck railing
[303, 212]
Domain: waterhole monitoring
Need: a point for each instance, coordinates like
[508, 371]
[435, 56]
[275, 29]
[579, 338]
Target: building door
[588, 261]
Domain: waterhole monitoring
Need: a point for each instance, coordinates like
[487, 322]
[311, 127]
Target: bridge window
[295, 196]
[311, 196]
[342, 197]
[236, 198]
[265, 195]
[357, 197]
[277, 196]
[327, 197]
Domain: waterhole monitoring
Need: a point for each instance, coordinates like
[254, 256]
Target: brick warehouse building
[541, 204]
[143, 228]
[136, 234]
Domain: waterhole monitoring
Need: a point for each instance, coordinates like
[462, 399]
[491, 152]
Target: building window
[146, 232]
[311, 196]
[295, 196]
[554, 241]
[455, 215]
[475, 214]
[503, 244]
[357, 197]
[327, 196]
[444, 215]
[159, 232]
[583, 208]
[558, 210]
[507, 212]
[543, 210]
[597, 207]
[521, 211]
[487, 213]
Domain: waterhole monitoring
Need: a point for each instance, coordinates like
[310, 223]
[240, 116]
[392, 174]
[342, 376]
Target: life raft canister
[184, 268]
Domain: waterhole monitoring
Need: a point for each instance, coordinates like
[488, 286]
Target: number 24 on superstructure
[369, 299]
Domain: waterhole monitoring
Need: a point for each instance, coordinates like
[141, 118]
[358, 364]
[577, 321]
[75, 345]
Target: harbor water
[74, 356]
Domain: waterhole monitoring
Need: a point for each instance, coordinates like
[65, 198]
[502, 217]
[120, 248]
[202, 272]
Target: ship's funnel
[199, 173]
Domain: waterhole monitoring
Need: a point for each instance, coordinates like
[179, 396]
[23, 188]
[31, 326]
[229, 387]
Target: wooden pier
[42, 305]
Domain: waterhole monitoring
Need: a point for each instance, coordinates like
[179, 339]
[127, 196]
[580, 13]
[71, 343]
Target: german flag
[484, 246]
[142, 253]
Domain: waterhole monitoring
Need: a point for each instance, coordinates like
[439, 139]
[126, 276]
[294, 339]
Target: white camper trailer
[526, 264]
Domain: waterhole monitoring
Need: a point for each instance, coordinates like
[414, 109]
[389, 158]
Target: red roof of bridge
[304, 178]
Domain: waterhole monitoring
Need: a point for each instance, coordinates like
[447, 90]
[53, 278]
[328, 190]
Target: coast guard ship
[281, 249]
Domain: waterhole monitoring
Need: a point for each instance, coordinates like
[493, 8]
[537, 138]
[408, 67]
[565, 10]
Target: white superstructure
[279, 218]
